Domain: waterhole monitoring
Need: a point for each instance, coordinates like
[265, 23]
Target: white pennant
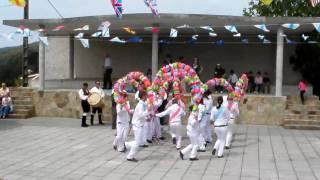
[231, 28]
[263, 27]
[316, 26]
[106, 32]
[79, 36]
[211, 34]
[304, 37]
[44, 40]
[84, 28]
[208, 28]
[237, 35]
[85, 43]
[117, 40]
[291, 26]
[173, 33]
[96, 34]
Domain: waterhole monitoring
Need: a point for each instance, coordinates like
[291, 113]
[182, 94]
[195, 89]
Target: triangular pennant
[85, 43]
[135, 40]
[211, 34]
[184, 26]
[117, 40]
[231, 28]
[237, 35]
[105, 33]
[44, 40]
[195, 37]
[291, 26]
[304, 37]
[316, 26]
[96, 34]
[263, 27]
[220, 43]
[152, 4]
[79, 36]
[117, 6]
[58, 28]
[173, 33]
[19, 3]
[208, 28]
[84, 28]
[261, 37]
[129, 30]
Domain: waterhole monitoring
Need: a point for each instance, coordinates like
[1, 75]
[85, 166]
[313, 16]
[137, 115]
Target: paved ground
[46, 148]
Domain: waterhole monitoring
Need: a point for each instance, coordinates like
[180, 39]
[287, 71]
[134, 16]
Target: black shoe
[227, 147]
[220, 156]
[174, 140]
[205, 145]
[101, 123]
[162, 138]
[144, 146]
[214, 152]
[149, 141]
[84, 125]
[199, 150]
[181, 155]
[193, 159]
[115, 147]
[132, 160]
[208, 142]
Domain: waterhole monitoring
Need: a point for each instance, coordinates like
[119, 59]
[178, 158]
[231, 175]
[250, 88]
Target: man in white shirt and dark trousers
[97, 89]
[84, 94]
[139, 118]
[107, 82]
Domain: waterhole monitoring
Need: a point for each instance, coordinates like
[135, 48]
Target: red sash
[175, 114]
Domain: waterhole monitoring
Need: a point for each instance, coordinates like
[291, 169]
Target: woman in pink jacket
[302, 87]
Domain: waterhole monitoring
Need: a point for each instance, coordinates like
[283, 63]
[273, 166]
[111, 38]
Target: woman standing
[220, 115]
[302, 87]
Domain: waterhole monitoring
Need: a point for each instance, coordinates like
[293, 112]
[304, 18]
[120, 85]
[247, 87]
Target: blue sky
[73, 8]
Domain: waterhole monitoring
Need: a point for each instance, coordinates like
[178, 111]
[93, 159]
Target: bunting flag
[96, 34]
[85, 43]
[220, 43]
[237, 35]
[283, 35]
[19, 3]
[231, 28]
[44, 40]
[261, 37]
[314, 3]
[266, 2]
[79, 36]
[58, 28]
[25, 32]
[208, 28]
[263, 27]
[117, 6]
[135, 40]
[304, 37]
[291, 26]
[164, 42]
[129, 30]
[184, 26]
[84, 28]
[316, 26]
[105, 33]
[212, 34]
[173, 33]
[245, 41]
[195, 37]
[152, 4]
[117, 40]
[289, 41]
[266, 41]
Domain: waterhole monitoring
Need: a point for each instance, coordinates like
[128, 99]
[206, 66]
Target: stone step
[18, 116]
[314, 117]
[22, 102]
[21, 94]
[22, 111]
[18, 98]
[293, 116]
[16, 106]
[313, 112]
[302, 127]
[301, 122]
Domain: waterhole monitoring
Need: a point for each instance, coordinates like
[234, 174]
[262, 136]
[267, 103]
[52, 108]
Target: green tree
[307, 57]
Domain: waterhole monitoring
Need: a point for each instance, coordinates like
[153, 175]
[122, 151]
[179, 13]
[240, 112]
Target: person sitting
[258, 80]
[251, 85]
[6, 106]
[4, 90]
[219, 72]
[266, 83]
[233, 78]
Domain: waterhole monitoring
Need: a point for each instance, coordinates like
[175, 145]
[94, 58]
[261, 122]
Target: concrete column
[41, 64]
[155, 50]
[279, 63]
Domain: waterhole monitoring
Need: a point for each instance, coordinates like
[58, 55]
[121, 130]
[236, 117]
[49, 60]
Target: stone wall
[261, 110]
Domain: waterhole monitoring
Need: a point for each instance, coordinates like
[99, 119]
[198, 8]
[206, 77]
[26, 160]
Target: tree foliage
[295, 8]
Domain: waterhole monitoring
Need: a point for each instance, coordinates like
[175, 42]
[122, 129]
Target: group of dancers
[146, 125]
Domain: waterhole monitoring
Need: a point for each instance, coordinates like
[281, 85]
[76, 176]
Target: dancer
[202, 124]
[220, 115]
[140, 115]
[84, 94]
[193, 131]
[175, 112]
[207, 101]
[123, 119]
[233, 107]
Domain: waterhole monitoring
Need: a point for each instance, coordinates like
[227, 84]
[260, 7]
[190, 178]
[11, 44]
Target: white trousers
[205, 132]
[122, 134]
[134, 145]
[156, 128]
[193, 147]
[230, 130]
[147, 134]
[221, 133]
[176, 132]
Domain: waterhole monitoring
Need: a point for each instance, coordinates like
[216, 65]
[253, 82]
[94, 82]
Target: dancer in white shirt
[233, 107]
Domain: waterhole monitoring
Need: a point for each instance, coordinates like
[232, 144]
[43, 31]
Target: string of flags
[104, 32]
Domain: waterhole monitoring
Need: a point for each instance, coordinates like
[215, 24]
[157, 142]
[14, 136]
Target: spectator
[196, 66]
[4, 90]
[149, 74]
[251, 85]
[6, 106]
[266, 83]
[219, 72]
[258, 80]
[167, 60]
[182, 59]
[303, 88]
[107, 82]
[233, 78]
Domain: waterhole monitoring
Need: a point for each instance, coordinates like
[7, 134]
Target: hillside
[11, 63]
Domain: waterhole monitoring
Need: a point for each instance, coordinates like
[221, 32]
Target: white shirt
[82, 96]
[123, 115]
[208, 104]
[140, 114]
[233, 78]
[193, 123]
[99, 91]
[175, 113]
[107, 62]
[6, 101]
[234, 109]
[220, 116]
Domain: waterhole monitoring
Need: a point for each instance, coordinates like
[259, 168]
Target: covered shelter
[66, 64]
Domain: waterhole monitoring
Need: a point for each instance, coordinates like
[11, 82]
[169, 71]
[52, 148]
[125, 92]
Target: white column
[279, 63]
[41, 65]
[154, 54]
